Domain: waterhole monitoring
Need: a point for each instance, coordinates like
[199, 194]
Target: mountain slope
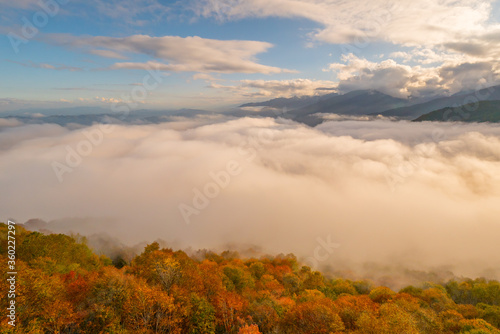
[484, 111]
[414, 111]
[290, 103]
[360, 102]
[356, 103]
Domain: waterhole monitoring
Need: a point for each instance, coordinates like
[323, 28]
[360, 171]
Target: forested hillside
[483, 111]
[63, 287]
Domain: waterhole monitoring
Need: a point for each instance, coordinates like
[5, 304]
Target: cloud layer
[430, 22]
[181, 54]
[389, 192]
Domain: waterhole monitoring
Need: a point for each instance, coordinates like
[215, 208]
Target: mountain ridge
[483, 111]
[455, 100]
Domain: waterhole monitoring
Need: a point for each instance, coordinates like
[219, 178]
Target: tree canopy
[63, 287]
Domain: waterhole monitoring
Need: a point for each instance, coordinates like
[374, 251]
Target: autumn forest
[64, 287]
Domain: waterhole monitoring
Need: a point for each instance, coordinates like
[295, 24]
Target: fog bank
[345, 193]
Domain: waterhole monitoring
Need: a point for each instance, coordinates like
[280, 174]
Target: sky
[213, 54]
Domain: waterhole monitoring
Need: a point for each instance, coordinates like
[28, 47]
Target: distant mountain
[64, 120]
[290, 103]
[356, 103]
[308, 109]
[484, 111]
[97, 111]
[359, 102]
[58, 111]
[416, 110]
[134, 117]
[185, 112]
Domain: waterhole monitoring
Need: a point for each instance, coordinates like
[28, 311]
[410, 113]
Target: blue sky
[214, 54]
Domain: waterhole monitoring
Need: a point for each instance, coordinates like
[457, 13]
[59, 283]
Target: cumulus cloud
[389, 192]
[182, 54]
[404, 80]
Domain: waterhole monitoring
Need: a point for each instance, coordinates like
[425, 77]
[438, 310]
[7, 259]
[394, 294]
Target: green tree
[202, 316]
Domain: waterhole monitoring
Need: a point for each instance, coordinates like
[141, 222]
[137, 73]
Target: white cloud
[301, 184]
[110, 100]
[407, 22]
[107, 54]
[9, 122]
[206, 77]
[403, 80]
[183, 54]
[426, 56]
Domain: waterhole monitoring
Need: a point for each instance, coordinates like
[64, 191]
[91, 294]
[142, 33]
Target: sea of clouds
[346, 193]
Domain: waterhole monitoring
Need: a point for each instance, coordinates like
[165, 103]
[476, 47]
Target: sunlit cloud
[189, 54]
[430, 22]
[403, 80]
